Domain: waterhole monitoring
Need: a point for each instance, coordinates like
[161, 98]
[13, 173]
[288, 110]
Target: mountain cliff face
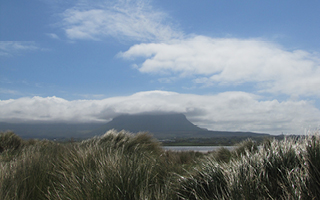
[152, 123]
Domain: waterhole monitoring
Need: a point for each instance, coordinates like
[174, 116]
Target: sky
[227, 65]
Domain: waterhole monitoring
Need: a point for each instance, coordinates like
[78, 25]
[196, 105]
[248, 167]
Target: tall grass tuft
[121, 165]
[30, 173]
[312, 161]
[222, 155]
[208, 181]
[9, 141]
[117, 165]
[244, 146]
[287, 169]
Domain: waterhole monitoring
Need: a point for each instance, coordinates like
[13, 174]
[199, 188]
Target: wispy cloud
[232, 61]
[53, 36]
[9, 48]
[123, 19]
[8, 91]
[225, 111]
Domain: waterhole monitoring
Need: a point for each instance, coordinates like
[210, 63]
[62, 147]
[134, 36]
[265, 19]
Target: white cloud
[8, 48]
[232, 61]
[233, 111]
[122, 19]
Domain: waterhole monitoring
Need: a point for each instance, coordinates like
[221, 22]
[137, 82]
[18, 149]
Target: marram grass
[121, 165]
[287, 169]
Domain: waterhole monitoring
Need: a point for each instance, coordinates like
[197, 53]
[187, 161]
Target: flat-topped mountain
[152, 123]
[164, 126]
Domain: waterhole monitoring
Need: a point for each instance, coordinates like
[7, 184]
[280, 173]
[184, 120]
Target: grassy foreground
[120, 165]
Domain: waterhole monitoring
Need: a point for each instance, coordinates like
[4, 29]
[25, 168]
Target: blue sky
[227, 65]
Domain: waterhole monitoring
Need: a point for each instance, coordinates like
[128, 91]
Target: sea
[203, 149]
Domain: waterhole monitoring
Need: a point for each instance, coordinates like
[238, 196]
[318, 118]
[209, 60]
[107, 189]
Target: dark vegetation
[217, 141]
[120, 165]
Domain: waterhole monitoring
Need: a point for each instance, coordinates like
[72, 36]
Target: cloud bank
[233, 111]
[231, 61]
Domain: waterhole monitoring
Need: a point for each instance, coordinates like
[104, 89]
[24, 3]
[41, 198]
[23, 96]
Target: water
[203, 149]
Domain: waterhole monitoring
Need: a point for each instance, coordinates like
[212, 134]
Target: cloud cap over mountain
[228, 111]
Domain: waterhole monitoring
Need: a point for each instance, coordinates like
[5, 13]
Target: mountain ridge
[161, 126]
[165, 126]
[152, 123]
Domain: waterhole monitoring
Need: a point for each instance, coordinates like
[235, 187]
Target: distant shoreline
[203, 149]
